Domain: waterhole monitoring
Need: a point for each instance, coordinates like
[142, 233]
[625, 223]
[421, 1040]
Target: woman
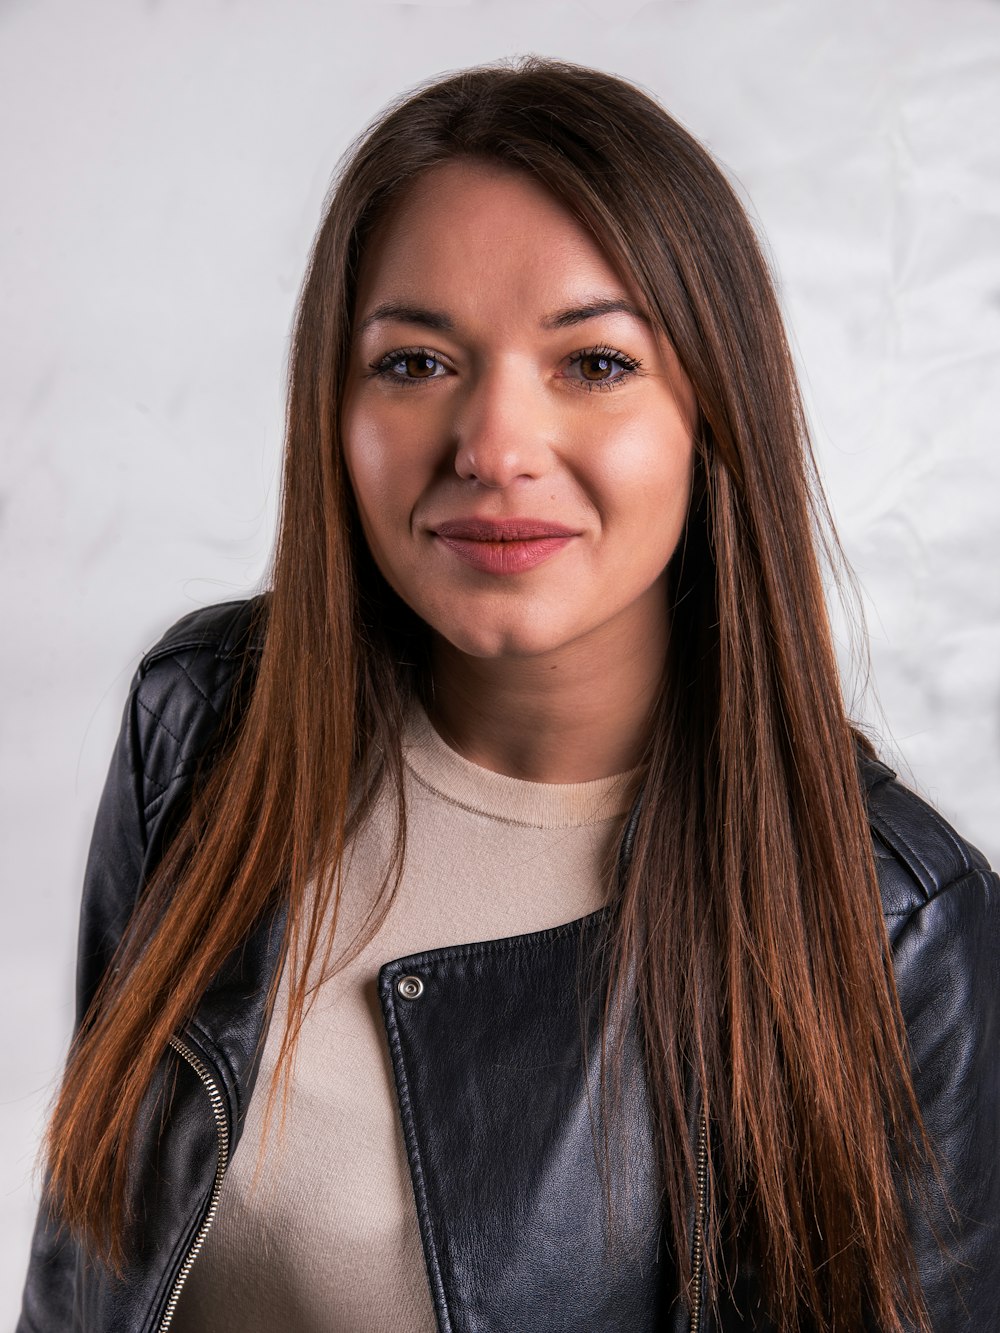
[687, 1009]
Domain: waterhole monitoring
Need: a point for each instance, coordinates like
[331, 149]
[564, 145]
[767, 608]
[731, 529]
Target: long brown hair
[750, 902]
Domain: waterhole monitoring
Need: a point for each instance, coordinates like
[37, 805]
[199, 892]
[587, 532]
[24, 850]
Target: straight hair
[747, 933]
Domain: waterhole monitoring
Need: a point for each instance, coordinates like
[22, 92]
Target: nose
[502, 429]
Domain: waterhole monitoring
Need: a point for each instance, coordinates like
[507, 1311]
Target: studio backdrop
[164, 165]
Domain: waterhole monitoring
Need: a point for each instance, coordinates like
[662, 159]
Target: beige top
[319, 1232]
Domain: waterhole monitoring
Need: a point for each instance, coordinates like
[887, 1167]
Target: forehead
[475, 233]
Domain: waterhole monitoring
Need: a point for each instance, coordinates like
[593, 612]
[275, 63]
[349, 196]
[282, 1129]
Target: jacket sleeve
[947, 962]
[114, 871]
[180, 694]
[112, 880]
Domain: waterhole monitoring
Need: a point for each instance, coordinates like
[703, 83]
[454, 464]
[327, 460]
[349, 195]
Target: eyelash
[628, 364]
[382, 368]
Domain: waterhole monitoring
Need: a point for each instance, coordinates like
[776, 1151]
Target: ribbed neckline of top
[546, 805]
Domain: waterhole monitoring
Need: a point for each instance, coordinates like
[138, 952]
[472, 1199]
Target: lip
[501, 529]
[503, 546]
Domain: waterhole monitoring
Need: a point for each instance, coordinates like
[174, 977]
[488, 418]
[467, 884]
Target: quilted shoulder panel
[183, 690]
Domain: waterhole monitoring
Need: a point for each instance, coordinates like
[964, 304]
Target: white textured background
[162, 169]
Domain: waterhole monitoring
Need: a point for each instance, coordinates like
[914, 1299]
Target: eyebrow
[408, 314]
[579, 314]
[443, 323]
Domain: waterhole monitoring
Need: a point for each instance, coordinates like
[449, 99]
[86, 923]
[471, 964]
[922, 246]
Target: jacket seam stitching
[157, 796]
[184, 769]
[160, 722]
[181, 771]
[195, 685]
[149, 811]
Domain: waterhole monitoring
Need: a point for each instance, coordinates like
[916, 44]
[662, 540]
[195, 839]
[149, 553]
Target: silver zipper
[222, 1127]
[698, 1252]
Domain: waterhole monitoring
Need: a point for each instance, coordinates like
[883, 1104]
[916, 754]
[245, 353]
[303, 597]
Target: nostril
[497, 465]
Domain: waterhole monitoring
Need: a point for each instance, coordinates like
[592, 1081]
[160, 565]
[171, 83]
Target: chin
[479, 638]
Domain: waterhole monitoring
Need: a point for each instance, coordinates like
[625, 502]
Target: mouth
[503, 546]
[501, 529]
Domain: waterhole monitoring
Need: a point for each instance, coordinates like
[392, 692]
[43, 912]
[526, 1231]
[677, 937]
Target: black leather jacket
[491, 1074]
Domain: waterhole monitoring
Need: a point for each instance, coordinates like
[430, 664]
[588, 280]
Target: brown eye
[601, 367]
[420, 367]
[409, 365]
[596, 368]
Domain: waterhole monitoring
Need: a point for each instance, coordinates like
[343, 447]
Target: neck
[572, 715]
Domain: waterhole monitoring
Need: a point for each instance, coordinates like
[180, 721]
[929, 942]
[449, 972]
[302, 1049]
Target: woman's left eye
[409, 365]
[601, 367]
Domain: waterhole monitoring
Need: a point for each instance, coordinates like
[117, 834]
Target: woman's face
[518, 437]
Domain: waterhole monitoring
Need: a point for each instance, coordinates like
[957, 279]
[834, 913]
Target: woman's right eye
[409, 365]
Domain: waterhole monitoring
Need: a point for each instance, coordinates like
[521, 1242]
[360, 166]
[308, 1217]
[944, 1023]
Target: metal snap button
[410, 987]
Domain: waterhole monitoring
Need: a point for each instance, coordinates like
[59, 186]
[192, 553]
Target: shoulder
[223, 632]
[942, 910]
[204, 647]
[918, 855]
[185, 687]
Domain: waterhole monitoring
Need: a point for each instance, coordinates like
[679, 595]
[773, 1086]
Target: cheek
[365, 459]
[390, 467]
[391, 448]
[383, 471]
[645, 480]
